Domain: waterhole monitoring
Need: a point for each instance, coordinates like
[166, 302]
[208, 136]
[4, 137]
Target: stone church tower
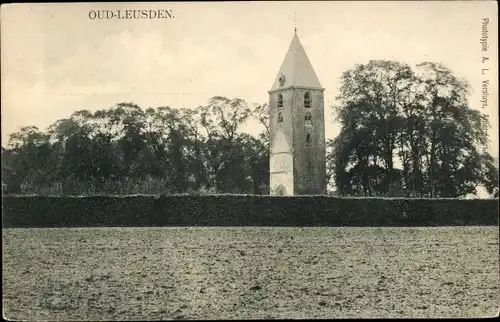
[297, 126]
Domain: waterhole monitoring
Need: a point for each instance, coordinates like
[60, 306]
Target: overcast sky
[56, 60]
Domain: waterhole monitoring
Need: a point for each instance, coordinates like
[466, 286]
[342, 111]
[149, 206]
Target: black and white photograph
[249, 160]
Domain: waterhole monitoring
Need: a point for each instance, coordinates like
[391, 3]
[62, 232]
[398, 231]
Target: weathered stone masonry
[297, 124]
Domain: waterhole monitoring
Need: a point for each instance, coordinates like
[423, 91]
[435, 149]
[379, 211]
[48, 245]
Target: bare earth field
[237, 273]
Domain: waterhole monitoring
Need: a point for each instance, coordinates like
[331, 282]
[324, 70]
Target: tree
[371, 97]
[261, 114]
[128, 120]
[221, 120]
[455, 135]
[490, 175]
[125, 149]
[422, 116]
[31, 160]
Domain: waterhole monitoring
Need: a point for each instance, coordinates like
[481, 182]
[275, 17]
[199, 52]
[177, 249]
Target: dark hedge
[243, 210]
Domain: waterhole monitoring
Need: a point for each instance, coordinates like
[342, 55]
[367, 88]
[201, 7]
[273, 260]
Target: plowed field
[237, 273]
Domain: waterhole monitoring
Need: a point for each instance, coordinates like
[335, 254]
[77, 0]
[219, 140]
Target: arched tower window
[307, 100]
[308, 139]
[308, 118]
[280, 118]
[280, 100]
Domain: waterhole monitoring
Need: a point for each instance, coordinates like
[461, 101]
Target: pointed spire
[296, 69]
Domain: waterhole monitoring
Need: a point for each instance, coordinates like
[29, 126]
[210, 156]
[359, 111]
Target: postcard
[242, 160]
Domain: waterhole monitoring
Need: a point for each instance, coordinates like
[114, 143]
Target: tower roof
[296, 68]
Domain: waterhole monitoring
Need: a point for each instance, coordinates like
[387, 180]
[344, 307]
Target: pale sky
[56, 60]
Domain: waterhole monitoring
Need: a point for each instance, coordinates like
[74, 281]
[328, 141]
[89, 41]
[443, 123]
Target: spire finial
[295, 22]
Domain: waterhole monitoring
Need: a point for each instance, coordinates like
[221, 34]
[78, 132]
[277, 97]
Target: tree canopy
[125, 149]
[403, 132]
[418, 118]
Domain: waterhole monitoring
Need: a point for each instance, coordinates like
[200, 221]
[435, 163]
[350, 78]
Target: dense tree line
[420, 117]
[126, 149]
[404, 132]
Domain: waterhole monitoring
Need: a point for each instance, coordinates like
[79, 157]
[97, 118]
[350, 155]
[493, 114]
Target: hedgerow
[243, 210]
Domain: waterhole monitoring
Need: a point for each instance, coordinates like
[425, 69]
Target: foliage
[244, 210]
[421, 118]
[404, 133]
[125, 149]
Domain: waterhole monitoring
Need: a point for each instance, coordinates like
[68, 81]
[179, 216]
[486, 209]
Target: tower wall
[280, 178]
[281, 151]
[309, 158]
[286, 110]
